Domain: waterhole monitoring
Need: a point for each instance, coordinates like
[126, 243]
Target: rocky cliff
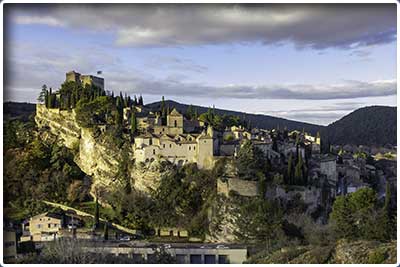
[95, 157]
[343, 252]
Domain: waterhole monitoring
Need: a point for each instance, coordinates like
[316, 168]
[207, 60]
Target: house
[43, 227]
[9, 245]
[328, 168]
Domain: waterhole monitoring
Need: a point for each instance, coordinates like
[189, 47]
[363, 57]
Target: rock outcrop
[97, 159]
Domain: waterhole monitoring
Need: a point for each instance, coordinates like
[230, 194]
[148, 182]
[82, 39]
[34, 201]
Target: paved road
[146, 244]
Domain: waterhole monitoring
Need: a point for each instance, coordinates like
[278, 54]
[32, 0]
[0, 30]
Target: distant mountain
[260, 121]
[374, 125]
[16, 110]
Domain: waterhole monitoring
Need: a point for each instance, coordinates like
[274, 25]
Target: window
[9, 244]
[194, 147]
[39, 226]
[190, 138]
[170, 145]
[163, 145]
[150, 141]
[175, 124]
[190, 148]
[154, 151]
[49, 225]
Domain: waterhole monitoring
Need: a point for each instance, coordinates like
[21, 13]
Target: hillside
[260, 121]
[375, 125]
[20, 111]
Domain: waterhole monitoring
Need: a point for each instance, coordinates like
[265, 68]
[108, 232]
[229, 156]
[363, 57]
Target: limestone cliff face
[222, 225]
[60, 123]
[98, 161]
[95, 158]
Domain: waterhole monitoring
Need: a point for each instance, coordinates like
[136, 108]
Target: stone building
[328, 168]
[85, 79]
[42, 227]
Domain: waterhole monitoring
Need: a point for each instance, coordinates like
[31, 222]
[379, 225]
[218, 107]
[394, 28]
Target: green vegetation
[260, 221]
[218, 122]
[181, 200]
[251, 163]
[357, 216]
[35, 171]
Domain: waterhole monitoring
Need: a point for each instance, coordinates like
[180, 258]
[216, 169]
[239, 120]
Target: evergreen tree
[96, 214]
[126, 101]
[274, 144]
[121, 97]
[290, 169]
[388, 195]
[106, 230]
[42, 96]
[50, 99]
[190, 112]
[298, 171]
[196, 114]
[140, 100]
[133, 123]
[163, 112]
[162, 104]
[120, 110]
[135, 100]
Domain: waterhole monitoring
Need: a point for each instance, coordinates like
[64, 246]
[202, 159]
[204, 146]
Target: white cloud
[46, 20]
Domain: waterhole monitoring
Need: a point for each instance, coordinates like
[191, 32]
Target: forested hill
[375, 125]
[259, 121]
[20, 111]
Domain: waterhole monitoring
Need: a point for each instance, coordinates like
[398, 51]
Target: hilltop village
[166, 175]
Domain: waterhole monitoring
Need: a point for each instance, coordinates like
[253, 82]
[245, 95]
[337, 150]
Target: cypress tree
[140, 100]
[133, 123]
[388, 196]
[49, 105]
[162, 107]
[289, 170]
[298, 172]
[106, 231]
[96, 214]
[46, 99]
[119, 117]
[135, 101]
[189, 112]
[125, 101]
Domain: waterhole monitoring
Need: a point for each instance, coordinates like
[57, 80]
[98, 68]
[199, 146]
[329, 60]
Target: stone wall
[242, 187]
[310, 196]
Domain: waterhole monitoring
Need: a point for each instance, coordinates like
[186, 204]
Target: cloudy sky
[312, 63]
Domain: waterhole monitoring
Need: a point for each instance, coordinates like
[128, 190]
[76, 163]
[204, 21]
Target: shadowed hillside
[375, 125]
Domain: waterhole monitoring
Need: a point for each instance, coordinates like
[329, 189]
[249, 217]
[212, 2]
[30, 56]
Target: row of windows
[44, 219]
[170, 145]
[48, 225]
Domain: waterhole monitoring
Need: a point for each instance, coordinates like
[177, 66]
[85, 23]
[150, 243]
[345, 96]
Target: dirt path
[82, 213]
